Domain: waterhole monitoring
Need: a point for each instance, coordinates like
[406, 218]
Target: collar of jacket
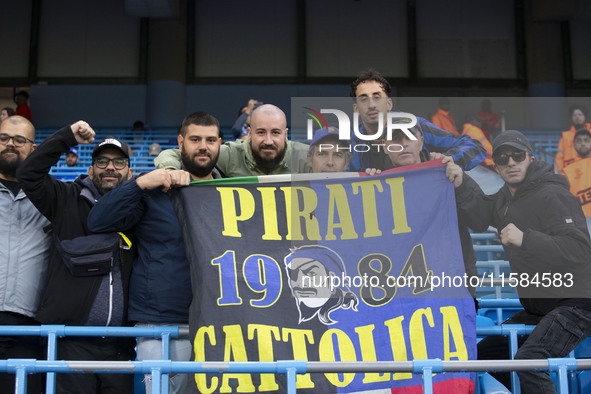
[216, 173]
[19, 195]
[88, 191]
[251, 163]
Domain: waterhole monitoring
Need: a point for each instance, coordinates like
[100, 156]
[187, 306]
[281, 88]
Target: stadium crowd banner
[323, 268]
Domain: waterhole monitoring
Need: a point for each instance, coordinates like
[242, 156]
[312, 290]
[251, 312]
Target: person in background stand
[23, 109]
[567, 154]
[490, 121]
[472, 128]
[72, 157]
[579, 172]
[5, 113]
[442, 118]
[240, 127]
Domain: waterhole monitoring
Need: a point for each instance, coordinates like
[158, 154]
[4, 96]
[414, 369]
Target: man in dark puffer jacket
[544, 234]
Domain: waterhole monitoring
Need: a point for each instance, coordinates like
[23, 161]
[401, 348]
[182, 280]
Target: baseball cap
[154, 149]
[111, 143]
[512, 138]
[324, 133]
[73, 151]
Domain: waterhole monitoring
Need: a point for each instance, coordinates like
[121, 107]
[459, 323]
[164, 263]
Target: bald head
[268, 137]
[22, 123]
[269, 110]
[16, 143]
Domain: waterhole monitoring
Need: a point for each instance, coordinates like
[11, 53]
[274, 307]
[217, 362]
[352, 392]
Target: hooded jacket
[556, 244]
[68, 299]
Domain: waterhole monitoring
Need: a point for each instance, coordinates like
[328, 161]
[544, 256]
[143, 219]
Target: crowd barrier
[160, 369]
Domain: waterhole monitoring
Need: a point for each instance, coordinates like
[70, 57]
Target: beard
[196, 169]
[267, 165]
[584, 153]
[102, 186]
[9, 167]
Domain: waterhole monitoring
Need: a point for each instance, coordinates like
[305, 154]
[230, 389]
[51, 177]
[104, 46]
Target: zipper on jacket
[110, 293]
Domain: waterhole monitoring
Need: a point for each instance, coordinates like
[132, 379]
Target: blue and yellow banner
[320, 268]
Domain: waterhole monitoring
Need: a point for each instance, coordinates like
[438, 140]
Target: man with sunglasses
[24, 252]
[544, 234]
[68, 298]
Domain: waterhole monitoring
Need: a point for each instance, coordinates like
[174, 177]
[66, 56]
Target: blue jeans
[555, 336]
[151, 349]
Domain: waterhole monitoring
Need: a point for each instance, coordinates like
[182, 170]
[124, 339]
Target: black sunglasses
[503, 158]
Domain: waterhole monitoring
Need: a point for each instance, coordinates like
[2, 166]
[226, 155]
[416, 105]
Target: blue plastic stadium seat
[489, 385]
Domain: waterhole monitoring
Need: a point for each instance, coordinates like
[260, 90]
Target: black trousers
[556, 335]
[21, 347]
[96, 349]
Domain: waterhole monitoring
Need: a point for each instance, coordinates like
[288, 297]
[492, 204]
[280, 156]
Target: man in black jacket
[544, 234]
[81, 300]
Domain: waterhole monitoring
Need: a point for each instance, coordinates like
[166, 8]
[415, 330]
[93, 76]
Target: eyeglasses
[503, 158]
[103, 162]
[18, 140]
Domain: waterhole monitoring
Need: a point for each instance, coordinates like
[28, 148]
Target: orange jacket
[579, 177]
[567, 154]
[477, 134]
[442, 120]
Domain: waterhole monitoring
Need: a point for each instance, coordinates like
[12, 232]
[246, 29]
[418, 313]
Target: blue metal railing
[52, 332]
[160, 369]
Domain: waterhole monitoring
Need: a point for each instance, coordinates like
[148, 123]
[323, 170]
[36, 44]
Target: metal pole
[291, 381]
[427, 380]
[156, 381]
[20, 382]
[51, 356]
[513, 345]
[165, 356]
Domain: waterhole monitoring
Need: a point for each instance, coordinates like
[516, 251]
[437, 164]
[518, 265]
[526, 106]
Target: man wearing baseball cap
[544, 234]
[72, 157]
[91, 299]
[327, 153]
